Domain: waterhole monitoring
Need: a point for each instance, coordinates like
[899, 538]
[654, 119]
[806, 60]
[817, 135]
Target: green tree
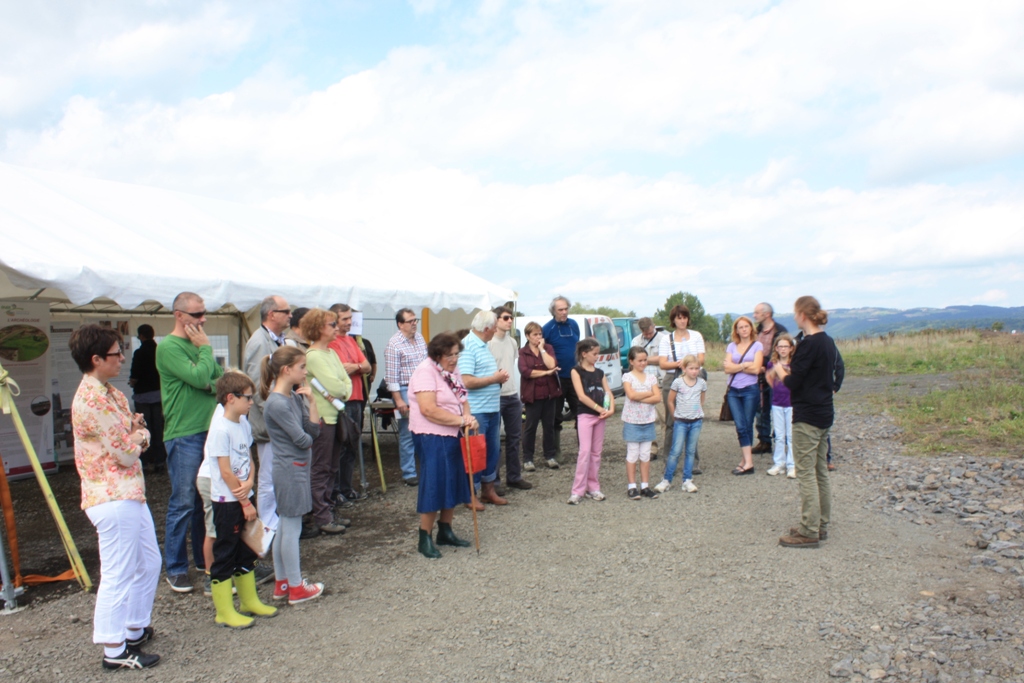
[725, 329]
[699, 319]
[997, 326]
[581, 308]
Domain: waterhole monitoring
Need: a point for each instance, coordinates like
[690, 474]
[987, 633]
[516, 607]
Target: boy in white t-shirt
[231, 480]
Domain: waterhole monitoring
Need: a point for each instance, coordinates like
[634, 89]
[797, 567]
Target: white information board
[25, 352]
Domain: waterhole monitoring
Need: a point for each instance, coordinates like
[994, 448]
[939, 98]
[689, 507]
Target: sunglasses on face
[108, 354]
[411, 320]
[247, 397]
[197, 316]
[506, 317]
[332, 324]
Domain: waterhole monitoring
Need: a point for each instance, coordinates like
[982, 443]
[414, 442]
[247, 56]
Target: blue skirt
[632, 433]
[443, 480]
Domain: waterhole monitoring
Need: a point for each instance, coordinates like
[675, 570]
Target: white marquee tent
[74, 240]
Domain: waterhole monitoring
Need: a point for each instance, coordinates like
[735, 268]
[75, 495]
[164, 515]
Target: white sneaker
[528, 466]
[663, 485]
[791, 473]
[574, 500]
[596, 495]
[775, 471]
[689, 486]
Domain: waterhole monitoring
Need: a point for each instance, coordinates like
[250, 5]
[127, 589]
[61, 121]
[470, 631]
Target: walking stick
[472, 489]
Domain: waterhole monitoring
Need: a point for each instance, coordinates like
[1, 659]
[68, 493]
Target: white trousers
[782, 424]
[266, 501]
[129, 568]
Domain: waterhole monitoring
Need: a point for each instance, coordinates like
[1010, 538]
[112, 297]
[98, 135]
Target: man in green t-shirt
[188, 372]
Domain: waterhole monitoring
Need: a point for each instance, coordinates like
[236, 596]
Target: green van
[626, 329]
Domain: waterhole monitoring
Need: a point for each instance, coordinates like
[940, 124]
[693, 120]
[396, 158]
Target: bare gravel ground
[688, 587]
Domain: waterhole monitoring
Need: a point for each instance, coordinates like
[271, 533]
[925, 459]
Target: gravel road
[688, 587]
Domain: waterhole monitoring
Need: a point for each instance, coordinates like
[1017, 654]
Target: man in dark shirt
[767, 332]
[145, 382]
[563, 333]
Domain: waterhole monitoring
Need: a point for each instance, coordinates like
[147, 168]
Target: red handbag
[474, 452]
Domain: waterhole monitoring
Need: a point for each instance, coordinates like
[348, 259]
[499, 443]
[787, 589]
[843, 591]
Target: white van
[601, 328]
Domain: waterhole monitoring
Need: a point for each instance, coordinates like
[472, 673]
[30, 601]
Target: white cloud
[484, 150]
[992, 296]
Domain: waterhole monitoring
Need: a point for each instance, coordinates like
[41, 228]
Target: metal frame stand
[10, 593]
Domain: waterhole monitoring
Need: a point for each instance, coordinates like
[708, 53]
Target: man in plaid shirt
[405, 350]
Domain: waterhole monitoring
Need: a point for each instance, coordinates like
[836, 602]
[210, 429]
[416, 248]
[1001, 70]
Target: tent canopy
[77, 240]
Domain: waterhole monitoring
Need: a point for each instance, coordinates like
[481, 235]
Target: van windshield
[605, 335]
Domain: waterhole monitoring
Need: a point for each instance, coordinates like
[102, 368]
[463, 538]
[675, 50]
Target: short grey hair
[551, 307]
[771, 311]
[267, 306]
[484, 320]
[645, 324]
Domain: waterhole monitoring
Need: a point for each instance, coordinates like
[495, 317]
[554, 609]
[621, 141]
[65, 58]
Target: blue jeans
[406, 447]
[184, 456]
[683, 433]
[490, 427]
[743, 404]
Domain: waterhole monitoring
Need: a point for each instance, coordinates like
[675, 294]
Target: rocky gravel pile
[970, 626]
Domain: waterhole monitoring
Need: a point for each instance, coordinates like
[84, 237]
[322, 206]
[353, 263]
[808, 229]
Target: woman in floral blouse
[108, 443]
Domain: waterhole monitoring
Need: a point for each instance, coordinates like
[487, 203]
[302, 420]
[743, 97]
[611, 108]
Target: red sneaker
[307, 591]
[280, 590]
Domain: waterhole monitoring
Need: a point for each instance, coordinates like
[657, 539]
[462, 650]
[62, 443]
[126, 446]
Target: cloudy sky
[870, 152]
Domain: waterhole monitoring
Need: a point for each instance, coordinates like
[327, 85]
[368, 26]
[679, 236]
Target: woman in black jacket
[811, 381]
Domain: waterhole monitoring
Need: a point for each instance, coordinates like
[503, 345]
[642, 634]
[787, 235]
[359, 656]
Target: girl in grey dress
[292, 424]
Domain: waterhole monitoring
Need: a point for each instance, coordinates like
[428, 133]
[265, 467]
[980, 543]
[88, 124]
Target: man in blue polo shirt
[482, 377]
[563, 334]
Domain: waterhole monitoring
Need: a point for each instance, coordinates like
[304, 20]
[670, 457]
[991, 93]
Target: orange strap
[12, 532]
[12, 539]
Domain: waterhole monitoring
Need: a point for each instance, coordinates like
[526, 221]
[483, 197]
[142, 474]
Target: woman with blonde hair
[743, 359]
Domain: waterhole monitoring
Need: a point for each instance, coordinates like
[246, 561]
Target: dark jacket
[811, 381]
[144, 371]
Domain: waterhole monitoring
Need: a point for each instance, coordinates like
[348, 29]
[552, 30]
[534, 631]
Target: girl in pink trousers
[596, 405]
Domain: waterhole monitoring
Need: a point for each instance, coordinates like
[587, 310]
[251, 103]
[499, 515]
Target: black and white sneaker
[130, 659]
[633, 493]
[147, 635]
[179, 583]
[648, 492]
[264, 573]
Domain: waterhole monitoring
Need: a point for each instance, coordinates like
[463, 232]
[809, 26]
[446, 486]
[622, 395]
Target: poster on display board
[65, 378]
[25, 352]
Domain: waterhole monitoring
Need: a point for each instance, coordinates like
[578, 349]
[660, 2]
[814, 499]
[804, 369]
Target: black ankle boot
[445, 536]
[427, 547]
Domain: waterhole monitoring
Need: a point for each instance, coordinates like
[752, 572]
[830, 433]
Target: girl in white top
[638, 420]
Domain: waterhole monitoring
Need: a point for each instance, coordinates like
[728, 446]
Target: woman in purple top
[743, 359]
[782, 406]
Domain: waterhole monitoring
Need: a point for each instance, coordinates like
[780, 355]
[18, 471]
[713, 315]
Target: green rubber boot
[225, 604]
[427, 547]
[248, 599]
[445, 536]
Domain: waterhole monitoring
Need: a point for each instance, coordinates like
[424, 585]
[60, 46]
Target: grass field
[983, 415]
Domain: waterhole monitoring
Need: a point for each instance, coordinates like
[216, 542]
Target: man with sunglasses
[505, 350]
[404, 352]
[188, 373]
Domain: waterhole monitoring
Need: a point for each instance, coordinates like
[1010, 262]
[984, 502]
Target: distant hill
[859, 322]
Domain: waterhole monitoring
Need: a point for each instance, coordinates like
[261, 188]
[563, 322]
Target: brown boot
[822, 533]
[761, 447]
[798, 541]
[488, 494]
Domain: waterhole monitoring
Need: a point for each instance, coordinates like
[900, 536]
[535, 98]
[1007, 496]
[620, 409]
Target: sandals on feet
[739, 470]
